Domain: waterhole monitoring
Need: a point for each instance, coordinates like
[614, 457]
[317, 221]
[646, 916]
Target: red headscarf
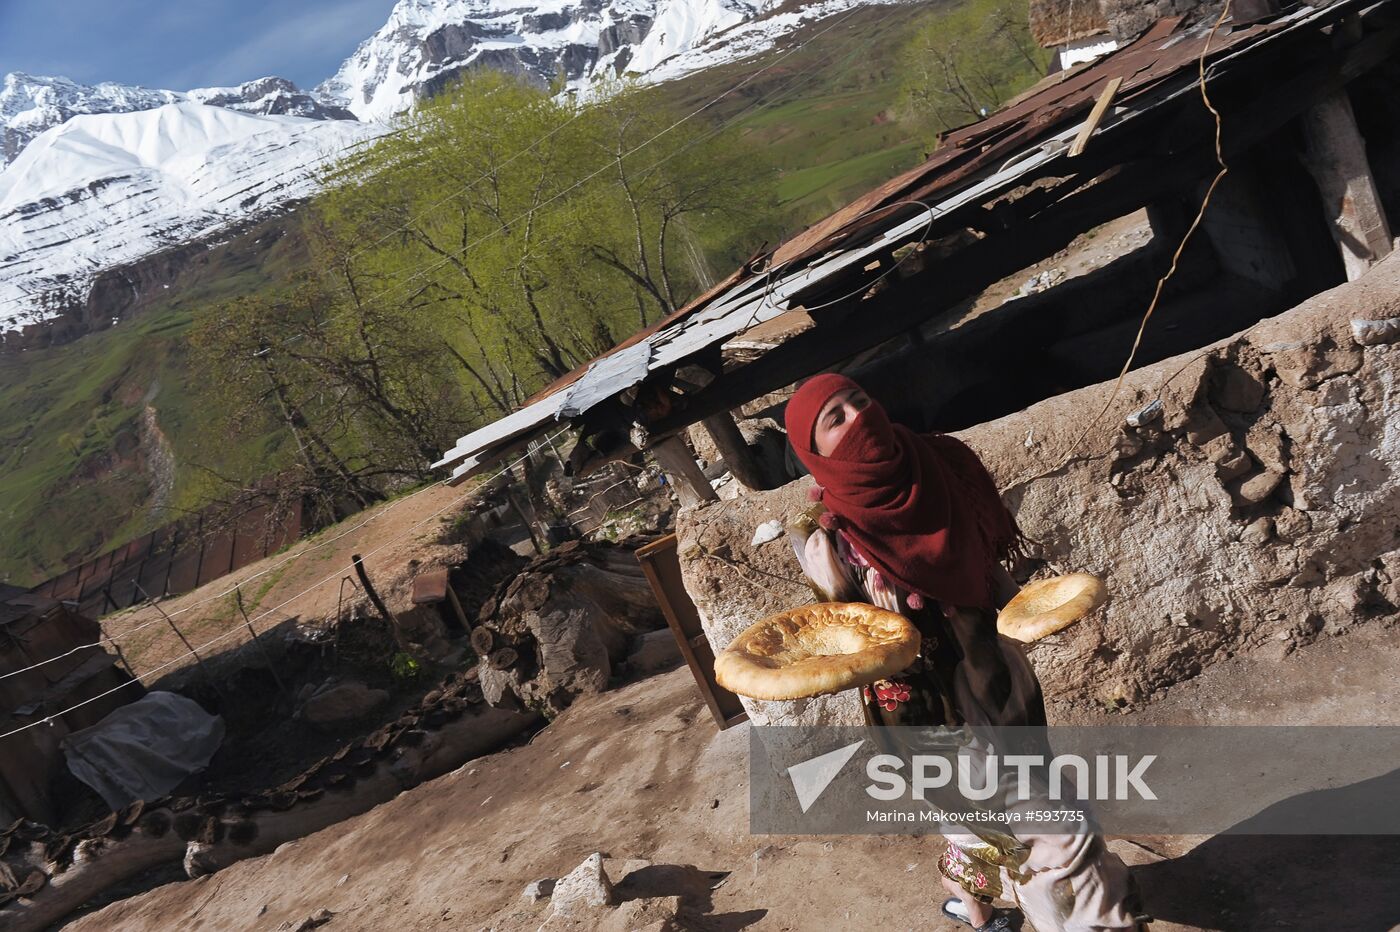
[920, 508]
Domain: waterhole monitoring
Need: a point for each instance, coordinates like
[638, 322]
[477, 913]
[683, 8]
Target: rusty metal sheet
[66, 585]
[184, 569]
[430, 587]
[123, 585]
[138, 550]
[216, 560]
[249, 539]
[154, 573]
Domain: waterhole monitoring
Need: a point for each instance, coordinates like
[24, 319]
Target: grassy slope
[822, 111]
[70, 486]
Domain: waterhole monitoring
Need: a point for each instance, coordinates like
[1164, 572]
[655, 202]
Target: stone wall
[1261, 509]
[1128, 19]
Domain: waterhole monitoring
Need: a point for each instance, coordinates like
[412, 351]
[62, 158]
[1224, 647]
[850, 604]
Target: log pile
[557, 630]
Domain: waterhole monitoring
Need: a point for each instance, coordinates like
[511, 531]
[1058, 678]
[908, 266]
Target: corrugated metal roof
[972, 162]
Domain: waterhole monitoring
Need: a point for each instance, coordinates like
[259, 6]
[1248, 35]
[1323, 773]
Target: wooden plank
[1095, 117]
[1337, 159]
[662, 566]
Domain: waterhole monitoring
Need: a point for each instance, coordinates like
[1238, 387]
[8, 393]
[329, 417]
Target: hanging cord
[1073, 447]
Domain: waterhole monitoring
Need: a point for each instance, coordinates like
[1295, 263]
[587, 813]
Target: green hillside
[823, 109]
[72, 479]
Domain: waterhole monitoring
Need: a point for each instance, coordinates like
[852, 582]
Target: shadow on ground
[1237, 881]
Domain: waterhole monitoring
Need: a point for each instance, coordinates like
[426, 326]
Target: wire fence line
[163, 617]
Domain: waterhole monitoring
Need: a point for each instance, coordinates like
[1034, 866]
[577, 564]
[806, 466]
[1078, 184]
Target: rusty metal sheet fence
[170, 560]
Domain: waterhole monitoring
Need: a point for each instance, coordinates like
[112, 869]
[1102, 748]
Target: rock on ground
[341, 702]
[586, 888]
[1262, 505]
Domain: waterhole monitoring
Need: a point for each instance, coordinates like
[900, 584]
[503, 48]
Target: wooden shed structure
[1308, 107]
[49, 663]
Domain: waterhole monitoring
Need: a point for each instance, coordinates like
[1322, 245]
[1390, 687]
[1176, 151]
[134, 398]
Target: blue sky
[180, 44]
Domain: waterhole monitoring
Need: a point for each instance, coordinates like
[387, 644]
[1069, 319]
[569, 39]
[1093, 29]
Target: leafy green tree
[496, 238]
[965, 62]
[536, 232]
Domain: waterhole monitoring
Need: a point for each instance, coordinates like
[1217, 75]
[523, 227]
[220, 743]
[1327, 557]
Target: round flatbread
[817, 649]
[1049, 605]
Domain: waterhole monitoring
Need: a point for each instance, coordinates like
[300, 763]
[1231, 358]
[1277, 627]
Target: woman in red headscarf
[913, 523]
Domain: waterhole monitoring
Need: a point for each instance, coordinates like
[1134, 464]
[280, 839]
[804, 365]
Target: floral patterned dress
[967, 674]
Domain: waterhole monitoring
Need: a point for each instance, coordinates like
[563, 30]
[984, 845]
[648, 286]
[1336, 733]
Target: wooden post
[525, 512]
[738, 455]
[1336, 157]
[262, 648]
[685, 474]
[188, 646]
[377, 602]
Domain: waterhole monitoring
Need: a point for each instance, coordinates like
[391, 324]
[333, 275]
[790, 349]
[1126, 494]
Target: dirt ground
[303, 582]
[641, 773]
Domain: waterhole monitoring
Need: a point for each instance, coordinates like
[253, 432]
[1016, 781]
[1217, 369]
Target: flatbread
[1049, 605]
[817, 649]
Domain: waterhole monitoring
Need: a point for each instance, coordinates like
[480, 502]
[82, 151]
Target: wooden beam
[737, 454]
[685, 474]
[1095, 117]
[1336, 158]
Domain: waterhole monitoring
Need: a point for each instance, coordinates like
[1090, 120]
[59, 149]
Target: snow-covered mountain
[30, 104]
[97, 176]
[101, 190]
[426, 43]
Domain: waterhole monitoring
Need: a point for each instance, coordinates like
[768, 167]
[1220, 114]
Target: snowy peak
[31, 104]
[101, 190]
[273, 96]
[427, 43]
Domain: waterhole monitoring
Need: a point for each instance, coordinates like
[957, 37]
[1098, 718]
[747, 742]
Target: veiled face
[836, 417]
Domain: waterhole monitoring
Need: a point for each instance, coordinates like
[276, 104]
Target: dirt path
[641, 773]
